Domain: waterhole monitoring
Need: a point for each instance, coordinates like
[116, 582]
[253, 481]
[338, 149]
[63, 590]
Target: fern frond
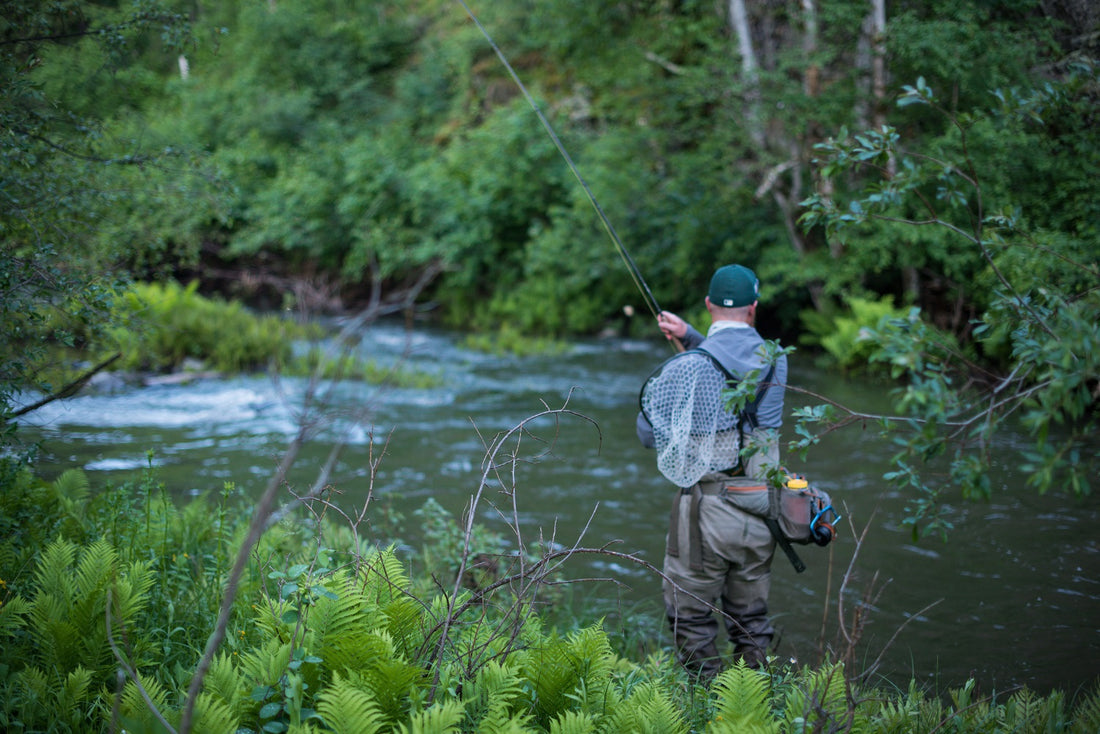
[648, 710]
[130, 593]
[405, 622]
[560, 671]
[214, 714]
[346, 613]
[265, 665]
[383, 576]
[393, 681]
[134, 712]
[742, 701]
[71, 490]
[1027, 711]
[224, 683]
[31, 688]
[95, 568]
[73, 693]
[349, 709]
[1086, 714]
[493, 698]
[573, 722]
[12, 612]
[440, 718]
[817, 699]
[52, 575]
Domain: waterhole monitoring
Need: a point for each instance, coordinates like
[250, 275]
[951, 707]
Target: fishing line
[635, 274]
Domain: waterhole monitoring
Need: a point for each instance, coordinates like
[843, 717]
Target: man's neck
[726, 324]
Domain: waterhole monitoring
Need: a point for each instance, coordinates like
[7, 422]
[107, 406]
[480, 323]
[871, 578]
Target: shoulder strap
[748, 414]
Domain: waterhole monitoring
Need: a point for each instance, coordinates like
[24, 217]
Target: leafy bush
[164, 324]
[844, 335]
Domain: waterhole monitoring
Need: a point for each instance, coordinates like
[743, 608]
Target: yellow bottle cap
[797, 483]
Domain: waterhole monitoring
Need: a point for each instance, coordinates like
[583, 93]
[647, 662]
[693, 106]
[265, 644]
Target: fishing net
[693, 432]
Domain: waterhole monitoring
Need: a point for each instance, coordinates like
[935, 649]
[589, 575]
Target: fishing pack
[796, 512]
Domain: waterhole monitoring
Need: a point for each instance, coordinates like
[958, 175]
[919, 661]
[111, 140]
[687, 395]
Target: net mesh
[693, 432]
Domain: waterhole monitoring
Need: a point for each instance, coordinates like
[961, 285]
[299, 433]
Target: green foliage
[66, 69]
[332, 638]
[510, 340]
[846, 337]
[67, 653]
[743, 702]
[165, 324]
[1043, 331]
[324, 365]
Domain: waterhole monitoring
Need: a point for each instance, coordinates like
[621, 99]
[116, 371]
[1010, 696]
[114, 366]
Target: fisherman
[734, 571]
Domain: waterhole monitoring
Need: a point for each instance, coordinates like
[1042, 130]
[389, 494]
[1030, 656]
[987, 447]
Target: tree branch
[69, 390]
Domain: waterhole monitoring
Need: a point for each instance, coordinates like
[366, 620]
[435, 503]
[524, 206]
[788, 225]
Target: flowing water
[1012, 598]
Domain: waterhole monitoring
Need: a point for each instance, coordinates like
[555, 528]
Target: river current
[1011, 598]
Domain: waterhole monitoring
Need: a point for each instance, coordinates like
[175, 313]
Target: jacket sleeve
[692, 338]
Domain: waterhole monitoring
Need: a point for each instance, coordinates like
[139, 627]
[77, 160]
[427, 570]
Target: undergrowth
[109, 597]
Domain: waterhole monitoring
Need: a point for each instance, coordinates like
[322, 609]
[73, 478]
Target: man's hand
[671, 325]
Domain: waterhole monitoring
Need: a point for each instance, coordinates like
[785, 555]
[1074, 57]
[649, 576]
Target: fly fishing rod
[635, 273]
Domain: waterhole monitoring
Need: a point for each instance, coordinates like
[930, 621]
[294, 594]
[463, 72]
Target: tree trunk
[739, 23]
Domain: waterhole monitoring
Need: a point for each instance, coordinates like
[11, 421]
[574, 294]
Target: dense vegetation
[109, 600]
[916, 183]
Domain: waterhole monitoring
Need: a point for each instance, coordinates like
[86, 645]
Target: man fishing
[717, 556]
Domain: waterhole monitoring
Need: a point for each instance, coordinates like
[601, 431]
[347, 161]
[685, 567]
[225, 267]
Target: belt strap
[695, 534]
[781, 540]
[673, 546]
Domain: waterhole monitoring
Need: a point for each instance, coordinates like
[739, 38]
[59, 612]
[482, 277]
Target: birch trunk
[739, 22]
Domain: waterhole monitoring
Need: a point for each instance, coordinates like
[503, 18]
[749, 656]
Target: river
[1011, 598]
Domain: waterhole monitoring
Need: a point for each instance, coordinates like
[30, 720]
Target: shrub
[164, 324]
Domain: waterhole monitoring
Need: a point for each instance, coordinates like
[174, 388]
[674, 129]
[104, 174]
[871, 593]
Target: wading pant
[723, 556]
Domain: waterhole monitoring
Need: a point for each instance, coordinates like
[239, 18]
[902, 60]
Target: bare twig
[128, 670]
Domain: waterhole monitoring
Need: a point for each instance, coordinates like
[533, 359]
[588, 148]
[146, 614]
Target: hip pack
[795, 513]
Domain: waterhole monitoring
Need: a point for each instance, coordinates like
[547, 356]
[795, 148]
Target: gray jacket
[739, 350]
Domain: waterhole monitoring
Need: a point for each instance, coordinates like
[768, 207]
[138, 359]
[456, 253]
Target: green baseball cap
[733, 286]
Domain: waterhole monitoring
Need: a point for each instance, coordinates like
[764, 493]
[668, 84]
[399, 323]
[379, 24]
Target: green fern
[817, 701]
[67, 613]
[443, 717]
[741, 703]
[647, 710]
[911, 715]
[264, 665]
[132, 710]
[1086, 714]
[348, 708]
[493, 700]
[71, 490]
[213, 714]
[49, 703]
[12, 613]
[384, 576]
[573, 722]
[1028, 713]
[561, 670]
[393, 682]
[226, 685]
